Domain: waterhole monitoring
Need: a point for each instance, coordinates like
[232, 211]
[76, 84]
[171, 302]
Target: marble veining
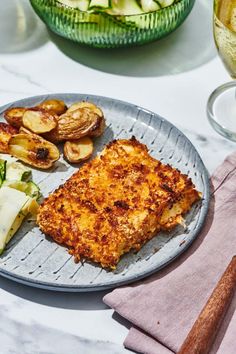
[25, 77]
[14, 92]
[33, 338]
[213, 150]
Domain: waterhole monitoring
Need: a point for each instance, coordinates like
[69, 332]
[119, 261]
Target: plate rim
[133, 278]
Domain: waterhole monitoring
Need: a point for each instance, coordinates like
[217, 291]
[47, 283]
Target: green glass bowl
[109, 31]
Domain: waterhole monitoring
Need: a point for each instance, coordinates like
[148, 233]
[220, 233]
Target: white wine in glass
[221, 107]
[225, 33]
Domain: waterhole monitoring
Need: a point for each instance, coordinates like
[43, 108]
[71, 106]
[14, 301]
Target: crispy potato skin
[76, 124]
[115, 203]
[85, 104]
[14, 116]
[57, 107]
[33, 150]
[100, 127]
[6, 132]
[81, 119]
[23, 130]
[78, 150]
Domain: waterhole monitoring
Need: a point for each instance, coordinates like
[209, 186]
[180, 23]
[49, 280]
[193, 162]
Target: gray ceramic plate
[35, 260]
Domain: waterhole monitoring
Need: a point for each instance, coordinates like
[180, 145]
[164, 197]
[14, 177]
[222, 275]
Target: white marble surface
[173, 77]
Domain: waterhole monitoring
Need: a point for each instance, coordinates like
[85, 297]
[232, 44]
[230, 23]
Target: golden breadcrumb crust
[116, 203]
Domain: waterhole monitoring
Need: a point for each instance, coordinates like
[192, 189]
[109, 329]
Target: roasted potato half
[78, 150]
[85, 104]
[39, 120]
[14, 116]
[6, 132]
[33, 150]
[100, 129]
[55, 106]
[74, 125]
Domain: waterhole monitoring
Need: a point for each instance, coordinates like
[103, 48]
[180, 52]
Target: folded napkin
[163, 308]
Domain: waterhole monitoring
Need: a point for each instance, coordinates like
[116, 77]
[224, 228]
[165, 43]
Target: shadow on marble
[20, 28]
[121, 320]
[73, 301]
[189, 47]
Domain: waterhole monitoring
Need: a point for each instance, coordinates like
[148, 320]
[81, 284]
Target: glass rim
[220, 128]
[174, 4]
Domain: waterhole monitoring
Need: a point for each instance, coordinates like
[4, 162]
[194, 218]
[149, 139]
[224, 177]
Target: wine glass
[221, 106]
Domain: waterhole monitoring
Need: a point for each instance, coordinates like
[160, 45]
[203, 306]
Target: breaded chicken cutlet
[115, 203]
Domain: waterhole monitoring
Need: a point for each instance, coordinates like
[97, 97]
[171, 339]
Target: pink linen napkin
[163, 308]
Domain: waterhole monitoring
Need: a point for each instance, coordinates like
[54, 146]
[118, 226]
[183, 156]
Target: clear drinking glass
[20, 29]
[221, 107]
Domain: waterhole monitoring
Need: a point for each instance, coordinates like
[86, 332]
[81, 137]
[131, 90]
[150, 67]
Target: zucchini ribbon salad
[119, 7]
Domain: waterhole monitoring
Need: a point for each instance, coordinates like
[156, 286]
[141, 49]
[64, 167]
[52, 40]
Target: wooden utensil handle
[204, 330]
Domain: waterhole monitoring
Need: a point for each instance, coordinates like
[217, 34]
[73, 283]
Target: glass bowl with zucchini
[113, 23]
